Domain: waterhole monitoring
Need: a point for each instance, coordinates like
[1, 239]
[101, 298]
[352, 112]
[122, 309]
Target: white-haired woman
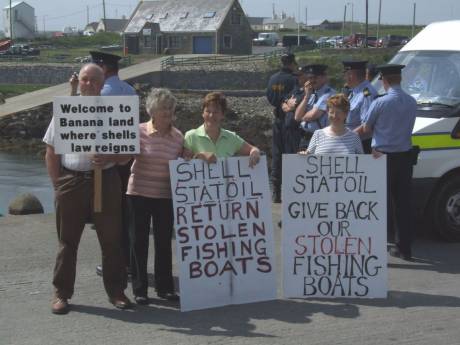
[149, 194]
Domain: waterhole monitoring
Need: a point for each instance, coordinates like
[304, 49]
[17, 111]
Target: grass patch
[11, 90]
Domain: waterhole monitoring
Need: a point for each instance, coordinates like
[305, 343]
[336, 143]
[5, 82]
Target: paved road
[423, 306]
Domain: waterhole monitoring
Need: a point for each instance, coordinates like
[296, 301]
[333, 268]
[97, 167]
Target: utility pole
[378, 23]
[103, 9]
[306, 16]
[367, 23]
[298, 23]
[344, 19]
[11, 23]
[352, 16]
[44, 29]
[413, 20]
[87, 14]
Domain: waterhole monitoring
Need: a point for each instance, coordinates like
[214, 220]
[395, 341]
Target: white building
[22, 18]
[277, 23]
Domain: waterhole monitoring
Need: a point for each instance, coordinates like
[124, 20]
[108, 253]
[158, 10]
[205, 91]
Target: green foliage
[101, 38]
[403, 30]
[11, 90]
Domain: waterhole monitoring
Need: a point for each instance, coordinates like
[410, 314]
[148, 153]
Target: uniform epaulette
[366, 92]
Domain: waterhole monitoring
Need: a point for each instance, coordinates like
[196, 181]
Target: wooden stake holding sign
[96, 125]
[97, 190]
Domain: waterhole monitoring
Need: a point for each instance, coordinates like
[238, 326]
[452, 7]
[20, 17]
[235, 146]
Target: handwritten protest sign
[104, 125]
[334, 226]
[224, 232]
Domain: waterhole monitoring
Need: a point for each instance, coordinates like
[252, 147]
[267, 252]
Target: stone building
[188, 26]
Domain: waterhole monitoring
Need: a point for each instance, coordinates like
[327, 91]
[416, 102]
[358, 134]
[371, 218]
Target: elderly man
[72, 178]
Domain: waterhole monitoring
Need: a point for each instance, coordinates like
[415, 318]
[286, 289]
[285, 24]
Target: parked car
[293, 40]
[432, 78]
[392, 41]
[334, 40]
[354, 40]
[371, 41]
[266, 39]
[322, 42]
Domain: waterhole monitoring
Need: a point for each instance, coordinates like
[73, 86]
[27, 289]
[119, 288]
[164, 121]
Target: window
[184, 15]
[227, 41]
[174, 42]
[209, 15]
[147, 41]
[236, 18]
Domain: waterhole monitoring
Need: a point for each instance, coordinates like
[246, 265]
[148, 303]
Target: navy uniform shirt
[318, 99]
[392, 118]
[279, 87]
[360, 98]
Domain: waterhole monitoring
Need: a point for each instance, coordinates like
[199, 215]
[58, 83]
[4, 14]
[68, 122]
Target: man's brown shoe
[59, 306]
[121, 302]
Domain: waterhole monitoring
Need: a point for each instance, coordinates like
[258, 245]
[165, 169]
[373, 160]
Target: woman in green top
[210, 141]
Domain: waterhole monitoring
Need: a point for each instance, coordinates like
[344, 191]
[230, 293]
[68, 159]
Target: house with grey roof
[188, 26]
[257, 23]
[111, 25]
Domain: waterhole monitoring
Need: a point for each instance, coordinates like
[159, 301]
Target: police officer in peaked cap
[114, 86]
[311, 113]
[279, 86]
[390, 119]
[362, 93]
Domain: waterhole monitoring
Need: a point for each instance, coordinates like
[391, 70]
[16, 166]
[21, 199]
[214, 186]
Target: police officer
[391, 119]
[113, 86]
[311, 113]
[292, 131]
[279, 87]
[361, 96]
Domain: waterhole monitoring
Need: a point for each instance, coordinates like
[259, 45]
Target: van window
[430, 77]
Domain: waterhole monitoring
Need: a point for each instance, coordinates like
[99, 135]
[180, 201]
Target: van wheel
[446, 209]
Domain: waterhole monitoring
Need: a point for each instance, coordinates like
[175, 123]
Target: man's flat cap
[390, 69]
[102, 58]
[354, 65]
[314, 69]
[287, 59]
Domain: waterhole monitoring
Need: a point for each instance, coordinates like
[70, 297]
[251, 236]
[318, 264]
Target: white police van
[432, 77]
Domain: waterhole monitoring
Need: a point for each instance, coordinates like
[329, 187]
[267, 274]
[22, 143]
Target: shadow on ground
[237, 320]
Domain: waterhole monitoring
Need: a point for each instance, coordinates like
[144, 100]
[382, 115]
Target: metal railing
[173, 61]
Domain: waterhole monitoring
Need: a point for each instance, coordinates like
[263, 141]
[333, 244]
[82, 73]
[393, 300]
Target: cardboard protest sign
[224, 232]
[96, 124]
[334, 226]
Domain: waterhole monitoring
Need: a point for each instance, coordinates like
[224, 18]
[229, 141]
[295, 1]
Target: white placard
[224, 232]
[96, 124]
[334, 226]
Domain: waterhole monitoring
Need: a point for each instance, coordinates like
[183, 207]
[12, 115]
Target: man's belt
[88, 174]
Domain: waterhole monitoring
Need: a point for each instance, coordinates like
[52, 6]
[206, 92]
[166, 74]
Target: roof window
[209, 15]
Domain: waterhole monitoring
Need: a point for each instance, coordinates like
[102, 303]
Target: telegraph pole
[378, 23]
[413, 20]
[103, 9]
[87, 14]
[298, 24]
[367, 23]
[11, 23]
[344, 19]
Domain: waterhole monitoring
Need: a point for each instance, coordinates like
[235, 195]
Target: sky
[56, 14]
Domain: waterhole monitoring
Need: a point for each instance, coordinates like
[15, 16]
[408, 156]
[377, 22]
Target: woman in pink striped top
[149, 194]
